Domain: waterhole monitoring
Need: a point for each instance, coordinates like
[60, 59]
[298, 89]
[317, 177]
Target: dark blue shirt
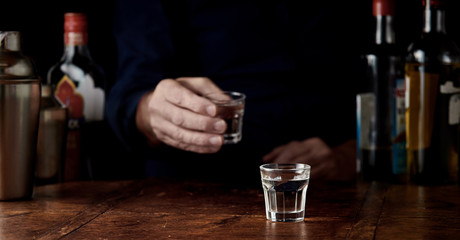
[297, 62]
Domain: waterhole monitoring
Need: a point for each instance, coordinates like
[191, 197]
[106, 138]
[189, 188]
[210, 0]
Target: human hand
[334, 164]
[174, 113]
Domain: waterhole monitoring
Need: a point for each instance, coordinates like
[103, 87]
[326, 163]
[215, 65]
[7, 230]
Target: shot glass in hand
[285, 191]
[230, 107]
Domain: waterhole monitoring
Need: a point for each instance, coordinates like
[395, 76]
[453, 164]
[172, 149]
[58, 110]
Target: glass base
[286, 216]
[232, 138]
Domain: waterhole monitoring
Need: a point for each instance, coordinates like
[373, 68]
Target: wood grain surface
[173, 209]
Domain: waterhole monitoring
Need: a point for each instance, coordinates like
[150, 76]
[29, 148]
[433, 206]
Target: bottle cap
[75, 29]
[383, 8]
[75, 22]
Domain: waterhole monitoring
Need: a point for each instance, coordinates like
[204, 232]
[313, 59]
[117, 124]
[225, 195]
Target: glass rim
[284, 167]
[240, 96]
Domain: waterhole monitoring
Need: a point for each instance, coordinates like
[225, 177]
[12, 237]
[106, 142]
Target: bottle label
[406, 94]
[399, 107]
[66, 93]
[365, 106]
[399, 158]
[399, 127]
[421, 96]
[448, 88]
[75, 38]
[75, 98]
[454, 109]
[454, 101]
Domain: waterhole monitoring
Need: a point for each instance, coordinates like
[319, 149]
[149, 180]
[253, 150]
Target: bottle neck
[435, 20]
[384, 33]
[76, 43]
[72, 50]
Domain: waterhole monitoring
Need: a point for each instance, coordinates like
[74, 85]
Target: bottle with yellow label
[432, 101]
[79, 84]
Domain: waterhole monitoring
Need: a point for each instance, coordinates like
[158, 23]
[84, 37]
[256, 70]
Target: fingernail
[219, 126]
[216, 140]
[211, 110]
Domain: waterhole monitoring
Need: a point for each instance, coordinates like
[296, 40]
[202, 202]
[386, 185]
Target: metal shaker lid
[10, 40]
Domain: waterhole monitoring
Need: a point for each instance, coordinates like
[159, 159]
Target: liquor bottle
[433, 101]
[385, 157]
[79, 84]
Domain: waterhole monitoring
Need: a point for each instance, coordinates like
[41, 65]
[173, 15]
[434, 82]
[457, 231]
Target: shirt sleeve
[144, 46]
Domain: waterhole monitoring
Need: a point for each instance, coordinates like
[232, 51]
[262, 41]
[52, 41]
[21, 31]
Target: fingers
[199, 85]
[188, 140]
[313, 151]
[176, 94]
[187, 130]
[177, 116]
[322, 168]
[188, 119]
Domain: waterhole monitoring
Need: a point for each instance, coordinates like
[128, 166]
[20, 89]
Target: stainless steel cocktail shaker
[19, 112]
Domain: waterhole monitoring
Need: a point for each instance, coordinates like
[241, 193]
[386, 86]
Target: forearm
[144, 45]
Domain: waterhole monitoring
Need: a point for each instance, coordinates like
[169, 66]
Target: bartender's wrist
[142, 122]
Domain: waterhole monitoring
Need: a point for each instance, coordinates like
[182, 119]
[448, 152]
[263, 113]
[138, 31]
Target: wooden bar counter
[161, 209]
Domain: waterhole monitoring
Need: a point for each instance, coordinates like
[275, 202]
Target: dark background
[41, 25]
[42, 30]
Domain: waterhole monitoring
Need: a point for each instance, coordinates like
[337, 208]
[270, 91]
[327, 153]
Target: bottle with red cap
[79, 84]
[384, 157]
[433, 101]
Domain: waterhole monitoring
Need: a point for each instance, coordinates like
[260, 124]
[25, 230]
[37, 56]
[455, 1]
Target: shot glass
[285, 191]
[230, 107]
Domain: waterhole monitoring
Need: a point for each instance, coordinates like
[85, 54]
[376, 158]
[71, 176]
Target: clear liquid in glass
[285, 200]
